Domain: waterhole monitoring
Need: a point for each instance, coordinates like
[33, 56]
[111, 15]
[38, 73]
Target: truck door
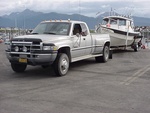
[87, 39]
[78, 42]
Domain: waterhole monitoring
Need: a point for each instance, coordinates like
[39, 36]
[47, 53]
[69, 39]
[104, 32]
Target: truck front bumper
[32, 59]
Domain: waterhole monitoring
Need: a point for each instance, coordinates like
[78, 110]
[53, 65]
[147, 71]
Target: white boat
[121, 31]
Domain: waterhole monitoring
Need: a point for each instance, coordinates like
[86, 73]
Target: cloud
[85, 7]
[105, 6]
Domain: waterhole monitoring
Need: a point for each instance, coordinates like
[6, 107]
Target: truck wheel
[105, 56]
[61, 65]
[18, 67]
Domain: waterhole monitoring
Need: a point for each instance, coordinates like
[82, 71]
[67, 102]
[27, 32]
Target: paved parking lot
[122, 85]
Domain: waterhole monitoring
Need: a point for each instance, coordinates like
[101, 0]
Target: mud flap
[110, 54]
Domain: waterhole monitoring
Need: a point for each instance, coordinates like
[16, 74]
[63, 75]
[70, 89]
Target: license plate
[23, 60]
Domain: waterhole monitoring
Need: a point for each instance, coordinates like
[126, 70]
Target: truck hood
[46, 38]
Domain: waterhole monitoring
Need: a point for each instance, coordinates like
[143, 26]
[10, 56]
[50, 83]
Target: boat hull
[120, 40]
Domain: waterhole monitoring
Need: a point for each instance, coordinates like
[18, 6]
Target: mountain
[141, 21]
[5, 22]
[29, 19]
[26, 13]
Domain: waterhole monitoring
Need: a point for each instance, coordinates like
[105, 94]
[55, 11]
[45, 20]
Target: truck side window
[77, 29]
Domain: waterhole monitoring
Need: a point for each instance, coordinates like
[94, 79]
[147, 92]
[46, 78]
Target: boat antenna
[112, 12]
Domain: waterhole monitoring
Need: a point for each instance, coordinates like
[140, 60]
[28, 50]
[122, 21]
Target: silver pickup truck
[57, 43]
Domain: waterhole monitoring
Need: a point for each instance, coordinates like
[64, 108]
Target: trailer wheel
[18, 67]
[104, 58]
[61, 64]
[136, 48]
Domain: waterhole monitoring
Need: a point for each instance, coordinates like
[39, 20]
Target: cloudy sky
[85, 7]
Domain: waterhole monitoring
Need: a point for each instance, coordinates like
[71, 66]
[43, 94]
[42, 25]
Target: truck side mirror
[84, 33]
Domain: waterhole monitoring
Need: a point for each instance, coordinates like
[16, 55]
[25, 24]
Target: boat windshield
[54, 28]
[122, 22]
[113, 21]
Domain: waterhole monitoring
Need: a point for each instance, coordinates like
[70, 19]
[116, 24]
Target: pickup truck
[57, 43]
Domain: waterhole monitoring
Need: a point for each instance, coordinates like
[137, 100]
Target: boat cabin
[118, 23]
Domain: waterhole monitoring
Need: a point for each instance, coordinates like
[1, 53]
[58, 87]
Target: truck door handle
[83, 38]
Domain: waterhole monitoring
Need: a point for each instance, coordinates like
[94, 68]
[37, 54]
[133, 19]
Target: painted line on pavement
[136, 75]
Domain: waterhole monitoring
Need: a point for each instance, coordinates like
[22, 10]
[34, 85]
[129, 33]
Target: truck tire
[104, 58]
[61, 64]
[18, 67]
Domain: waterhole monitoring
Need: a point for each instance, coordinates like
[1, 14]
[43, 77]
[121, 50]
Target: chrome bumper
[32, 59]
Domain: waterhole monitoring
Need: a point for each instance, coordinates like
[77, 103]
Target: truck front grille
[26, 45]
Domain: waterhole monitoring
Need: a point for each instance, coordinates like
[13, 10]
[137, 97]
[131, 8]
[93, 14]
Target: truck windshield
[54, 28]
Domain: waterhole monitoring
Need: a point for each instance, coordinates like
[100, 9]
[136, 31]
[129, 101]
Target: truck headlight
[50, 47]
[46, 48]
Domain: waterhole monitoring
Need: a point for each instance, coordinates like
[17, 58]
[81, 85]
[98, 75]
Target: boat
[121, 31]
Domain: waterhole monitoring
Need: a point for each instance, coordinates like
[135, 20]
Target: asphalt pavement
[122, 85]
